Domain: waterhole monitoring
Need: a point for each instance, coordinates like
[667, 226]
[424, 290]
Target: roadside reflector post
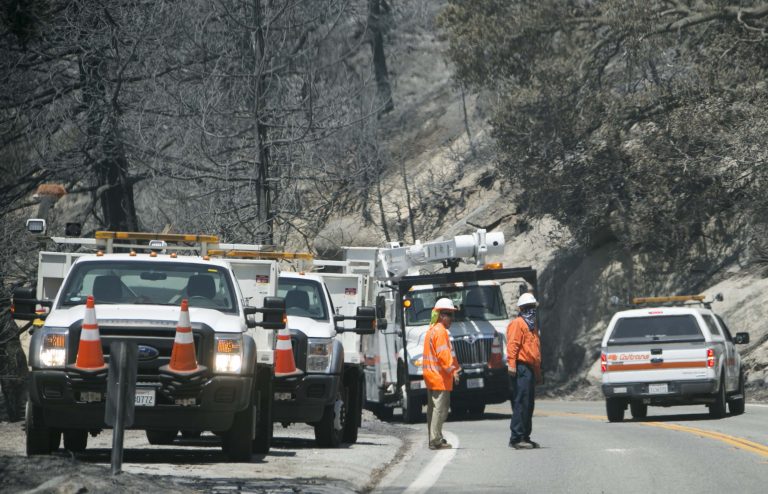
[121, 396]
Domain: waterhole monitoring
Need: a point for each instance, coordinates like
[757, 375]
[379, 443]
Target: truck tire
[161, 437]
[329, 432]
[237, 442]
[264, 426]
[639, 410]
[354, 407]
[717, 409]
[383, 412]
[736, 405]
[75, 440]
[614, 408]
[410, 405]
[40, 439]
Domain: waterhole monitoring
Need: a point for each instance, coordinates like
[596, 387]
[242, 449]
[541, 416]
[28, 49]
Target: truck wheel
[476, 410]
[354, 408]
[639, 410]
[383, 412]
[717, 409]
[264, 426]
[75, 440]
[40, 439]
[614, 408]
[237, 442]
[736, 405]
[329, 432]
[410, 405]
[161, 437]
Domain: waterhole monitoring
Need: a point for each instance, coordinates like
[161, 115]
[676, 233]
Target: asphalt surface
[674, 450]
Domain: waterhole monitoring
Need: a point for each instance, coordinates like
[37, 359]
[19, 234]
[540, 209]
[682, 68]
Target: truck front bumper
[303, 398]
[64, 406]
[678, 392]
[486, 387]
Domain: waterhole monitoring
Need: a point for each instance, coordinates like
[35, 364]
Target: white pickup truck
[667, 356]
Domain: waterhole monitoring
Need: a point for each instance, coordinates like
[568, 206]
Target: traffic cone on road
[90, 356]
[183, 353]
[285, 365]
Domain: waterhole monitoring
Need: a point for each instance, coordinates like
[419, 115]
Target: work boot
[441, 445]
[533, 443]
[521, 445]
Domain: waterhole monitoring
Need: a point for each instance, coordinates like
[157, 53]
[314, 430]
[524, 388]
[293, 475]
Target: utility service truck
[138, 297]
[392, 357]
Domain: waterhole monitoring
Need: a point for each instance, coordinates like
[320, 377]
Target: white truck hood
[311, 327]
[144, 315]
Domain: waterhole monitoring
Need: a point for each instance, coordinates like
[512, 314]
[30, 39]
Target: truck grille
[159, 339]
[472, 351]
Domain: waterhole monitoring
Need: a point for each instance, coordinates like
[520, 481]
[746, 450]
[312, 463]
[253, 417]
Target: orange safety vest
[523, 345]
[439, 363]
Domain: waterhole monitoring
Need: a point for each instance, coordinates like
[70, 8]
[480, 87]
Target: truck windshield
[149, 283]
[474, 303]
[630, 330]
[303, 298]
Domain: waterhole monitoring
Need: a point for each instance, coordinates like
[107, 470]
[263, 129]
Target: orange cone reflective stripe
[89, 352]
[183, 357]
[285, 365]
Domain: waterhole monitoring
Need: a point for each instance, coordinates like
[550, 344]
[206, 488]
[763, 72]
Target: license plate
[283, 396]
[621, 390]
[476, 382]
[90, 396]
[144, 398]
[655, 389]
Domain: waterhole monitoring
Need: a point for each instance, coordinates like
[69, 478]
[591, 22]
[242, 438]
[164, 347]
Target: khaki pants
[438, 403]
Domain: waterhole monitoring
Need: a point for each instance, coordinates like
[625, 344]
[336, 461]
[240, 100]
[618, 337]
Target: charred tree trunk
[266, 217]
[376, 9]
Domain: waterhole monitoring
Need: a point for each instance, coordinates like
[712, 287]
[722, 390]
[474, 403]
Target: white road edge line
[757, 405]
[434, 468]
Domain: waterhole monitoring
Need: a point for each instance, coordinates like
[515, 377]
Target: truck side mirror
[274, 316]
[381, 306]
[741, 338]
[366, 322]
[24, 304]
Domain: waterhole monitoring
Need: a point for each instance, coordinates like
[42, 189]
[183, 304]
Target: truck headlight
[228, 357]
[319, 353]
[53, 351]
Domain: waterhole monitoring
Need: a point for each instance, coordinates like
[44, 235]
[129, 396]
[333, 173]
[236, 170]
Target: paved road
[675, 450]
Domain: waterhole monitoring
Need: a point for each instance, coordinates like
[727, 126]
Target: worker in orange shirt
[524, 368]
[440, 369]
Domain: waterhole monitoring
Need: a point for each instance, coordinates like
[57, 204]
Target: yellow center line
[736, 442]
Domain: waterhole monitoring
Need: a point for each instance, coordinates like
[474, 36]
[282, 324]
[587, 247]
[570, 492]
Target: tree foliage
[640, 122]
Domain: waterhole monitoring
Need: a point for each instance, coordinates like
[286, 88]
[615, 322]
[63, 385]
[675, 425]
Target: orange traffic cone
[89, 354]
[284, 363]
[183, 353]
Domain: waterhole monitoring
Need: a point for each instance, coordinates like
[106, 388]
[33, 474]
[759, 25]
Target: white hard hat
[526, 299]
[444, 304]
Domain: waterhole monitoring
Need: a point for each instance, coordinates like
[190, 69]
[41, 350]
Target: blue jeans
[523, 390]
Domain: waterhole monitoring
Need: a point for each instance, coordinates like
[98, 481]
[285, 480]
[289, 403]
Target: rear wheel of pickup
[639, 410]
[614, 408]
[264, 426]
[736, 405]
[410, 405]
[237, 442]
[75, 440]
[329, 432]
[717, 409]
[41, 440]
[161, 437]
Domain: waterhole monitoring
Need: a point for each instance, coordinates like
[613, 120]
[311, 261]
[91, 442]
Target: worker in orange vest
[524, 368]
[440, 369]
